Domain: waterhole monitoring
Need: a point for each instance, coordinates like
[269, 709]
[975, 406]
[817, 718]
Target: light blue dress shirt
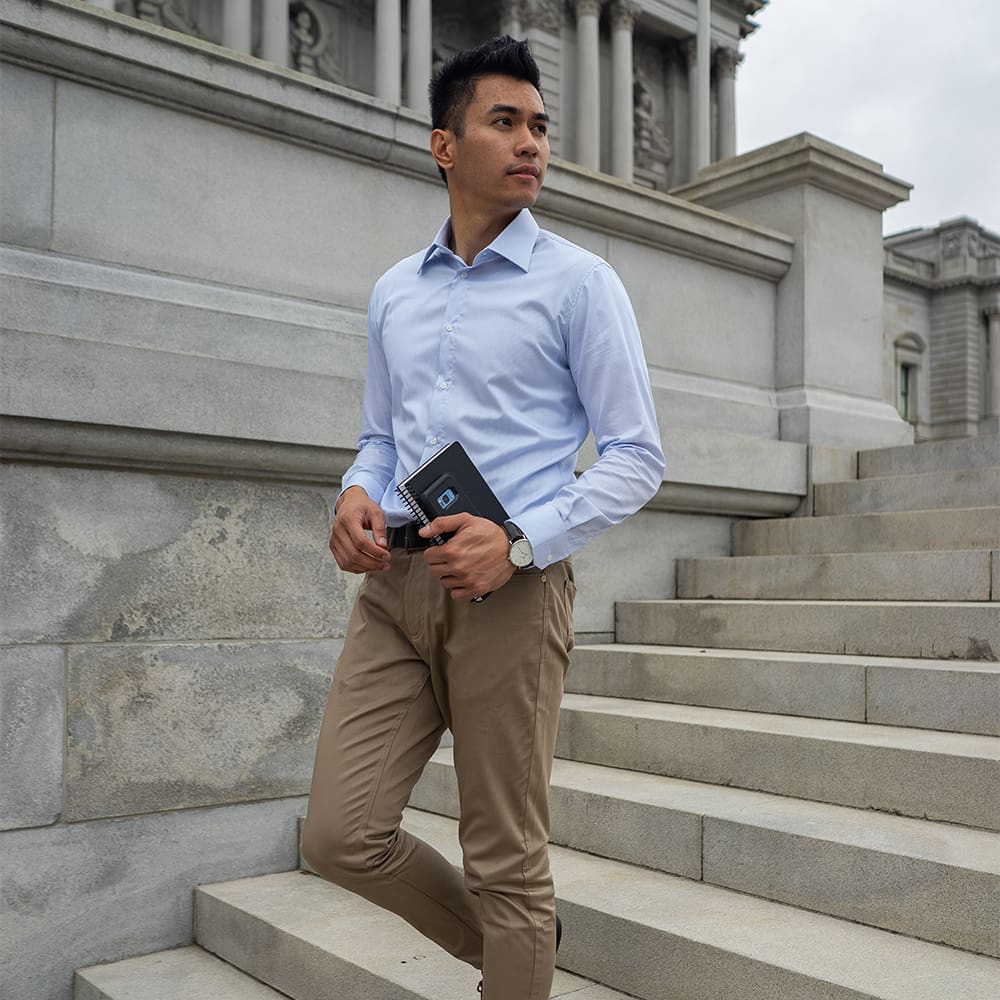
[517, 356]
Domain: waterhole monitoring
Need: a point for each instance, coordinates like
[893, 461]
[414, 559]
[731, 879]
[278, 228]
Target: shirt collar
[515, 243]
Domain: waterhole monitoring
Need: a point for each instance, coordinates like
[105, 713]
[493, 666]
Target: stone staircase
[782, 785]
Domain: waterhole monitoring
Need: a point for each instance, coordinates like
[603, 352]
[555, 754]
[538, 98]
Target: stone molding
[802, 159]
[58, 442]
[121, 54]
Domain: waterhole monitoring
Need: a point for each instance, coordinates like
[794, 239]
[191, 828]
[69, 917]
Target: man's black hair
[454, 84]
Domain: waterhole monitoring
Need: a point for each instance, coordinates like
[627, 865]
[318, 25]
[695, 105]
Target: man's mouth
[525, 170]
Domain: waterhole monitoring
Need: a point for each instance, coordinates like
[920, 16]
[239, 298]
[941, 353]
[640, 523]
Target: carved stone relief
[314, 39]
[547, 15]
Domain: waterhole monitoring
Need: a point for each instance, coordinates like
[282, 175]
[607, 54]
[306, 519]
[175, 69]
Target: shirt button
[434, 440]
[444, 385]
[449, 328]
[465, 274]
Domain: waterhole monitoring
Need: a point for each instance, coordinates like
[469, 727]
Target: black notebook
[449, 483]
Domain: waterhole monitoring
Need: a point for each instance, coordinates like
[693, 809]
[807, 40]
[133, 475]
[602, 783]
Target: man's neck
[471, 234]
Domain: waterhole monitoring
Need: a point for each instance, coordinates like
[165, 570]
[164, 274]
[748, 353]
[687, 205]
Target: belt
[405, 537]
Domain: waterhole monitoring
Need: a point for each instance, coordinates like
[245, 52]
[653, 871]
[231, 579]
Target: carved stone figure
[652, 147]
[306, 38]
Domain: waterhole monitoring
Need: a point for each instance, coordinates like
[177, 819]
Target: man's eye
[541, 129]
[502, 121]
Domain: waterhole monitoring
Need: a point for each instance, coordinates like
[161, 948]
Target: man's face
[498, 164]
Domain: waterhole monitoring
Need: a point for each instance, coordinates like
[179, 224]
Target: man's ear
[442, 145]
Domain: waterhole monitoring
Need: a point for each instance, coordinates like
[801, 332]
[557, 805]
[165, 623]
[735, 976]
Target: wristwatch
[521, 553]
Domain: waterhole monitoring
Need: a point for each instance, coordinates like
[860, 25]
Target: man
[515, 342]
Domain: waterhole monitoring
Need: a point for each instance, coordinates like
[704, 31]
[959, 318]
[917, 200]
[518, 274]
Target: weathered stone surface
[981, 452]
[902, 531]
[97, 301]
[938, 630]
[208, 217]
[825, 687]
[952, 697]
[62, 378]
[26, 111]
[963, 575]
[96, 892]
[312, 939]
[697, 333]
[954, 488]
[951, 777]
[32, 712]
[944, 899]
[652, 542]
[94, 555]
[170, 727]
[165, 975]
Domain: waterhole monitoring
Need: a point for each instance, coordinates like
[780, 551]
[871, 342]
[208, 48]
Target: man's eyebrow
[510, 109]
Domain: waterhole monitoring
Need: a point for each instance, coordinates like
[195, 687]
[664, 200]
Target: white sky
[912, 84]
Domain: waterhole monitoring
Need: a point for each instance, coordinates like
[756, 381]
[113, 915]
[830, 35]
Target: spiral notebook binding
[417, 511]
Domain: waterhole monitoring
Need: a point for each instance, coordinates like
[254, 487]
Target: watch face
[521, 554]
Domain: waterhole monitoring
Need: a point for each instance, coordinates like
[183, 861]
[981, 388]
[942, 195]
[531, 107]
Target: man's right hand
[356, 514]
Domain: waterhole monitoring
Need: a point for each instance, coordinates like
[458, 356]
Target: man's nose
[527, 143]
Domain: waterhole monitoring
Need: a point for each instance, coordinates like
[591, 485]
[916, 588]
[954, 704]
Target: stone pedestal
[829, 311]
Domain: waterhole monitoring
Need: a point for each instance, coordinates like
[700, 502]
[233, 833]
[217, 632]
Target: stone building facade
[189, 237]
[942, 328]
[620, 77]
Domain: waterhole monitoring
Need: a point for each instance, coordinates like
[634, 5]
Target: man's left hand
[474, 561]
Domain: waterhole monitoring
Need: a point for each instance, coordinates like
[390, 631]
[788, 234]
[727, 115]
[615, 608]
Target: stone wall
[189, 238]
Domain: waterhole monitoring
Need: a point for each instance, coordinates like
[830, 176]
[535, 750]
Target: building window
[907, 383]
[909, 353]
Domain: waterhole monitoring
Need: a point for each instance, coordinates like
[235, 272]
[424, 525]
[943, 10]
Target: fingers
[354, 551]
[474, 561]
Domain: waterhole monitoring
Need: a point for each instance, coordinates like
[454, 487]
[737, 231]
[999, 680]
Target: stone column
[993, 315]
[726, 61]
[418, 55]
[237, 25]
[106, 4]
[623, 15]
[702, 120]
[690, 49]
[588, 90]
[510, 18]
[388, 51]
[274, 32]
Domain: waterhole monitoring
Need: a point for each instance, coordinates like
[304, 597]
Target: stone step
[850, 863]
[315, 941]
[958, 696]
[180, 974]
[646, 933]
[947, 777]
[966, 575]
[931, 456]
[949, 488]
[933, 630]
[902, 531]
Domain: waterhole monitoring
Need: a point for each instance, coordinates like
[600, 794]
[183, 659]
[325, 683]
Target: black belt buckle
[405, 536]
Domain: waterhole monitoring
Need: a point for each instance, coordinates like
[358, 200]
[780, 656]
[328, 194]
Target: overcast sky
[913, 84]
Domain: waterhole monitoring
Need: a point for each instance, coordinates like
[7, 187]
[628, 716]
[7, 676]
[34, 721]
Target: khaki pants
[414, 663]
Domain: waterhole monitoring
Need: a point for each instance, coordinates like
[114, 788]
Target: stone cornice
[59, 442]
[802, 159]
[78, 41]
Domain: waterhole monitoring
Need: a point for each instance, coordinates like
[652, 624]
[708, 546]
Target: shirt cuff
[543, 527]
[369, 483]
